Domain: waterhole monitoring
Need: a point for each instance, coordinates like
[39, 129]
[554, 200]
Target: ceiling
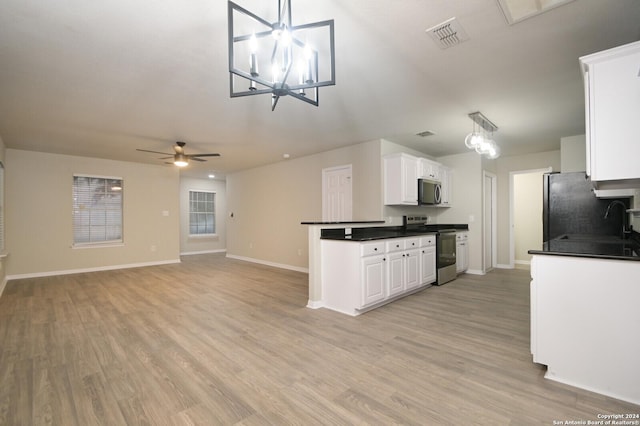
[103, 78]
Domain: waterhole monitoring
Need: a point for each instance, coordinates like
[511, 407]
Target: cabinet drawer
[369, 249]
[411, 243]
[462, 236]
[395, 244]
[428, 240]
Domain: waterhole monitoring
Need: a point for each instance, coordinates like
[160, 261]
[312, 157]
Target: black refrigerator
[571, 207]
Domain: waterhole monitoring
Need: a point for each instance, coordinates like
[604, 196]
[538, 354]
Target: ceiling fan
[181, 159]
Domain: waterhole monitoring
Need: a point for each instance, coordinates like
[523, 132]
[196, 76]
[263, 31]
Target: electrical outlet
[299, 252]
[250, 245]
[153, 247]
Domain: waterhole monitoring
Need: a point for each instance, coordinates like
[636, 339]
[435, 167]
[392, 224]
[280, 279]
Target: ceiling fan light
[180, 160]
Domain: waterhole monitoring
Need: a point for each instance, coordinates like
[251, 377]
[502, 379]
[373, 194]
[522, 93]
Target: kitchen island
[585, 313]
[323, 287]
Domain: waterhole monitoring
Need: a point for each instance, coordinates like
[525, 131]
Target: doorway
[525, 215]
[337, 194]
[489, 220]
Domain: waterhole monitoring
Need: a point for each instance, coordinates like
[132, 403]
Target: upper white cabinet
[400, 179]
[401, 174]
[428, 169]
[446, 181]
[612, 94]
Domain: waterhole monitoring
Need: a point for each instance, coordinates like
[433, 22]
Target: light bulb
[253, 57]
[473, 140]
[484, 146]
[494, 152]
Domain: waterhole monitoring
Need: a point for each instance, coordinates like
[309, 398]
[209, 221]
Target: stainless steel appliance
[429, 192]
[445, 246]
[446, 253]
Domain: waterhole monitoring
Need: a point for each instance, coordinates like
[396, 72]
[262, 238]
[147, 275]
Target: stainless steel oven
[446, 253]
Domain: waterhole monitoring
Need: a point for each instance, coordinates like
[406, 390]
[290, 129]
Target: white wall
[39, 214]
[573, 154]
[527, 215]
[204, 244]
[466, 202]
[268, 203]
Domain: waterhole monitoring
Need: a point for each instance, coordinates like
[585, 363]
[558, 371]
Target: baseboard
[504, 266]
[315, 304]
[190, 253]
[96, 269]
[474, 272]
[523, 262]
[267, 263]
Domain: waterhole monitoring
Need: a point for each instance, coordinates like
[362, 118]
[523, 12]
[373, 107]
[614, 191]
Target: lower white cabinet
[428, 259]
[462, 252]
[357, 276]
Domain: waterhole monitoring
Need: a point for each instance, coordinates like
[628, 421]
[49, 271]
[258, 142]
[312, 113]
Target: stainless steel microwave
[429, 192]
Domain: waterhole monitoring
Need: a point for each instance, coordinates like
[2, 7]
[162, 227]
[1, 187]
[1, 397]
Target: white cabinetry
[428, 169]
[359, 276]
[401, 174]
[400, 179]
[428, 259]
[462, 252]
[584, 314]
[612, 92]
[446, 182]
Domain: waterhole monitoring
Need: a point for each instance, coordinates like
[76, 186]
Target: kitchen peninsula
[357, 266]
[585, 319]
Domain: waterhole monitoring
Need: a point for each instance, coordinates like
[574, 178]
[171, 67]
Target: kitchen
[266, 203]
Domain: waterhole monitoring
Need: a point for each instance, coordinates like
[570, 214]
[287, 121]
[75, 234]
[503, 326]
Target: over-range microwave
[429, 192]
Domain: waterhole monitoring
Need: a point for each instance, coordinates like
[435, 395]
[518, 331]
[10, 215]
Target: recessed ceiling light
[286, 156]
[212, 176]
[519, 10]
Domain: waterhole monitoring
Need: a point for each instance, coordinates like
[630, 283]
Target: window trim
[97, 244]
[215, 215]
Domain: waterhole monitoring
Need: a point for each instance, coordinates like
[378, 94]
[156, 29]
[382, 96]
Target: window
[97, 210]
[202, 213]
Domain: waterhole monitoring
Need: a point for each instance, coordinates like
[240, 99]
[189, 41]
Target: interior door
[489, 221]
[337, 194]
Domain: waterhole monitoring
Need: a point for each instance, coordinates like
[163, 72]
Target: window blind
[97, 209]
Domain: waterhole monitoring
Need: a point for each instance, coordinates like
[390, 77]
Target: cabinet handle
[375, 249]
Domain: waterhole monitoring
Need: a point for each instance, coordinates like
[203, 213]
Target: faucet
[625, 230]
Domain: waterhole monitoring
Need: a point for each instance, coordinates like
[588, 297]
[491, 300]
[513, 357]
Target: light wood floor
[215, 341]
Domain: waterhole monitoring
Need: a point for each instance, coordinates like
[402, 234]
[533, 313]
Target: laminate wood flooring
[216, 341]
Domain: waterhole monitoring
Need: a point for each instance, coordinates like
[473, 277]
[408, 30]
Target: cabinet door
[400, 179]
[459, 257]
[396, 273]
[445, 189]
[613, 109]
[427, 265]
[373, 280]
[412, 269]
[410, 180]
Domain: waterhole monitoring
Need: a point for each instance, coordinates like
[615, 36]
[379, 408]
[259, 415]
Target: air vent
[448, 34]
[425, 133]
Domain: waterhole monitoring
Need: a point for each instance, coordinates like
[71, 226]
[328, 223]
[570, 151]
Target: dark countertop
[593, 246]
[384, 232]
[342, 223]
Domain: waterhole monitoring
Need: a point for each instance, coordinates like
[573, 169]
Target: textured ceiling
[103, 78]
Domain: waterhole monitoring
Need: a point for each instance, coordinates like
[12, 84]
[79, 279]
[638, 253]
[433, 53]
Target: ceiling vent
[447, 34]
[425, 133]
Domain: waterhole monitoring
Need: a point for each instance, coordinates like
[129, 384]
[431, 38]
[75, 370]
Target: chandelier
[481, 138]
[276, 57]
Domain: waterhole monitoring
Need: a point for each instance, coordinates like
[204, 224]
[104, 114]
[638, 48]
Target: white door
[489, 222]
[336, 194]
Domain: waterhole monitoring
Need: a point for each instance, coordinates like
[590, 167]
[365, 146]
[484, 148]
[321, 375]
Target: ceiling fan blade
[153, 152]
[196, 158]
[203, 155]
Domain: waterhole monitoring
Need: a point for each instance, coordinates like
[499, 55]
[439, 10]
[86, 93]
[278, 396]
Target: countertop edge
[343, 223]
[583, 255]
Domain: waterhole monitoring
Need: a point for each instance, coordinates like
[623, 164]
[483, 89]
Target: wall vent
[425, 133]
[448, 33]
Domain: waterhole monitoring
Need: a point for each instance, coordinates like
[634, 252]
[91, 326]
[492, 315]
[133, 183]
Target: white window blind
[97, 210]
[202, 217]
